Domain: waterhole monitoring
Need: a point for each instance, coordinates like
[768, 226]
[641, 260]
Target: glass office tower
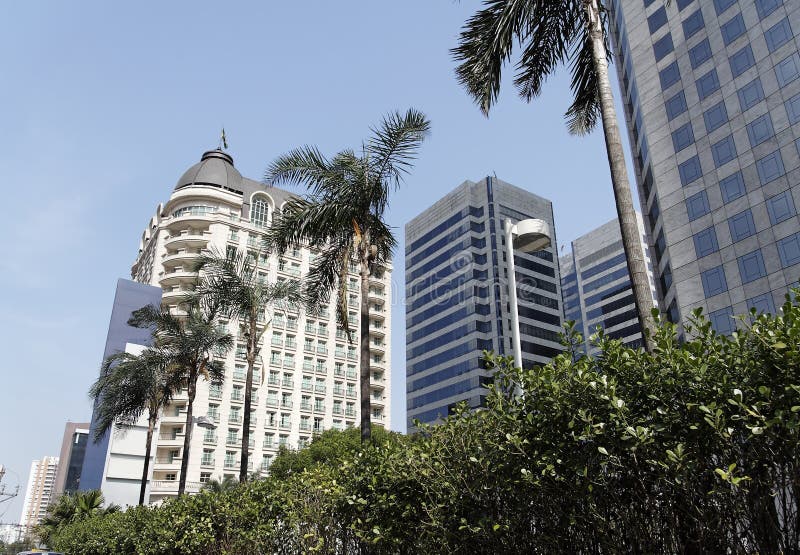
[457, 297]
[711, 90]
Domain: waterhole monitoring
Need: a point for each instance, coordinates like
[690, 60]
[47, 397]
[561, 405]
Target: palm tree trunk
[151, 425]
[619, 177]
[366, 423]
[248, 392]
[187, 432]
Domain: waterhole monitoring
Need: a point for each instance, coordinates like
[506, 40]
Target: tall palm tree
[343, 214]
[233, 282]
[188, 344]
[70, 508]
[128, 386]
[551, 33]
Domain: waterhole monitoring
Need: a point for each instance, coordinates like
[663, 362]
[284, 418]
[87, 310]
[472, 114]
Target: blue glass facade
[457, 297]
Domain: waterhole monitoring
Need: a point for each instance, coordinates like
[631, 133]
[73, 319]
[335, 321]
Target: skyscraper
[73, 450]
[307, 377]
[596, 286]
[39, 492]
[457, 299]
[711, 90]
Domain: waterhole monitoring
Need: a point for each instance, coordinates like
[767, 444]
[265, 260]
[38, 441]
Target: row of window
[769, 168]
[751, 266]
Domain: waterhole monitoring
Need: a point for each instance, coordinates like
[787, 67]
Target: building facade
[596, 288]
[73, 450]
[711, 90]
[457, 301]
[113, 463]
[39, 492]
[307, 378]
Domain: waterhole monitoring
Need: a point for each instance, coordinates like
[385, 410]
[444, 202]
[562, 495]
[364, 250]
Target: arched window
[259, 208]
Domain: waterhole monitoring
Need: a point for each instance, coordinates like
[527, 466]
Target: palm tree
[188, 344]
[233, 282]
[219, 486]
[343, 214]
[128, 386]
[70, 508]
[551, 33]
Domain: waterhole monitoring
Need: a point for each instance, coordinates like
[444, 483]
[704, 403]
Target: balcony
[291, 344]
[171, 486]
[268, 444]
[308, 348]
[338, 391]
[340, 353]
[239, 376]
[305, 427]
[216, 395]
[352, 393]
[352, 375]
[168, 460]
[338, 410]
[183, 258]
[307, 386]
[308, 366]
[273, 381]
[234, 419]
[285, 426]
[237, 397]
[379, 348]
[379, 331]
[350, 412]
[352, 355]
[175, 276]
[377, 400]
[287, 384]
[288, 363]
[319, 408]
[187, 239]
[338, 372]
[276, 342]
[207, 461]
[233, 441]
[291, 325]
[272, 401]
[305, 406]
[231, 464]
[322, 351]
[320, 389]
[322, 369]
[286, 404]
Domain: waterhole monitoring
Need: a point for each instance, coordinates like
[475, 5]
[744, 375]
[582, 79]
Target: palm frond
[304, 165]
[584, 113]
[394, 145]
[485, 44]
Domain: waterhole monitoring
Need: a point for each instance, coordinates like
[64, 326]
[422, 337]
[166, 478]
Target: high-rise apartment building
[39, 492]
[596, 287]
[307, 377]
[457, 302]
[711, 90]
[73, 450]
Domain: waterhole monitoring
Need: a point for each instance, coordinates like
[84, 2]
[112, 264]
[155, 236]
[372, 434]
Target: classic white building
[307, 378]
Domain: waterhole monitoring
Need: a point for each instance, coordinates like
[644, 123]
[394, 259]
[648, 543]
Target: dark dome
[214, 169]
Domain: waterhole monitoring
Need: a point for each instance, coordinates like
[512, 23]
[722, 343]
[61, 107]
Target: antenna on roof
[223, 141]
[494, 173]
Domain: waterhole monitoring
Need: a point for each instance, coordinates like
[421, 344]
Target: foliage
[692, 447]
[69, 509]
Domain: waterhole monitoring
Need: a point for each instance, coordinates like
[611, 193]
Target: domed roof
[214, 169]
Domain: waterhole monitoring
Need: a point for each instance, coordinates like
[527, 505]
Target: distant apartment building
[306, 379]
[711, 94]
[457, 302]
[39, 492]
[73, 450]
[596, 288]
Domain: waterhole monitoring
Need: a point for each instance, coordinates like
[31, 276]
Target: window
[663, 46]
[733, 29]
[760, 130]
[714, 281]
[742, 61]
[789, 250]
[657, 20]
[723, 151]
[669, 75]
[741, 225]
[793, 108]
[707, 84]
[750, 94]
[770, 167]
[751, 266]
[722, 5]
[766, 7]
[722, 321]
[780, 207]
[762, 303]
[648, 2]
[259, 210]
[705, 242]
[682, 137]
[788, 69]
[700, 53]
[715, 116]
[683, 3]
[732, 187]
[693, 24]
[778, 35]
[690, 170]
[697, 205]
[677, 105]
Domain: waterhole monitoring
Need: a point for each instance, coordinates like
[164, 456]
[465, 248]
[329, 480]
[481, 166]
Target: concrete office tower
[596, 288]
[711, 91]
[114, 463]
[73, 450]
[307, 376]
[457, 298]
[39, 493]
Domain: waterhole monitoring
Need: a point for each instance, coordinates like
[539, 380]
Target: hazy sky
[105, 104]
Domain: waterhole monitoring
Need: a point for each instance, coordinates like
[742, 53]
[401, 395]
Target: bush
[690, 448]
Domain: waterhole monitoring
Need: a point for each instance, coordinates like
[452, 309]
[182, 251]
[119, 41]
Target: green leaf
[603, 450]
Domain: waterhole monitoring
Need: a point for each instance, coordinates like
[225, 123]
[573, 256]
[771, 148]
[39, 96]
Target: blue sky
[105, 104]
